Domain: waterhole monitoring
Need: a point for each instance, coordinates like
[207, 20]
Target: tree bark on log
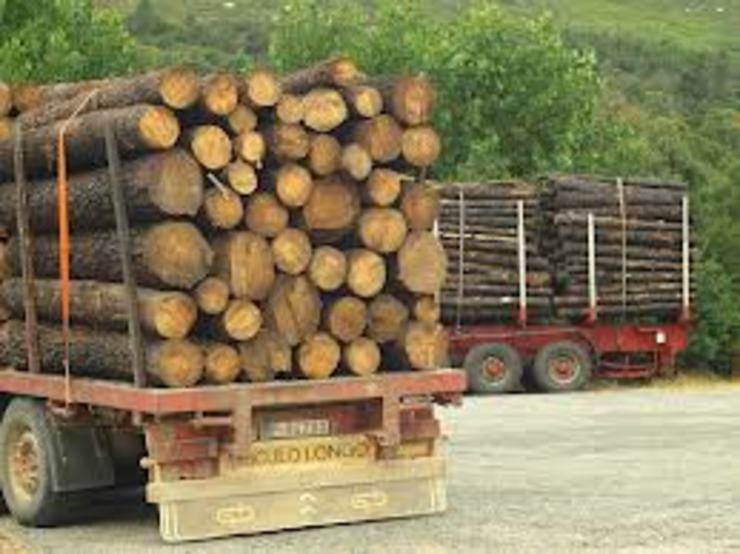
[164, 184]
[170, 315]
[265, 356]
[140, 128]
[346, 318]
[244, 260]
[293, 308]
[318, 356]
[170, 254]
[362, 356]
[328, 268]
[174, 363]
[340, 72]
[422, 263]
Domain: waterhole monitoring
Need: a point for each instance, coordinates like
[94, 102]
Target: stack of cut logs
[638, 245]
[275, 230]
[479, 228]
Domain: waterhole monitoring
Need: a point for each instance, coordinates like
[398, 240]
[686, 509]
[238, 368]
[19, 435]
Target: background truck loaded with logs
[241, 266]
[576, 275]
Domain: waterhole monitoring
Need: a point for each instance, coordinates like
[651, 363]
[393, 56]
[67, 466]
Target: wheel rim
[563, 368]
[24, 465]
[493, 369]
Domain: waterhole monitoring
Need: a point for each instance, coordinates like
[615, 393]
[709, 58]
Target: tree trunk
[251, 147]
[366, 273]
[222, 364]
[170, 315]
[290, 109]
[244, 260]
[265, 356]
[346, 318]
[242, 177]
[170, 254]
[325, 155]
[383, 187]
[318, 356]
[382, 229]
[325, 110]
[381, 136]
[341, 72]
[100, 354]
[362, 356]
[265, 215]
[333, 206]
[242, 119]
[293, 185]
[241, 321]
[293, 308]
[212, 296]
[261, 88]
[420, 205]
[288, 142]
[356, 162]
[29, 97]
[328, 268]
[220, 94]
[425, 345]
[421, 146]
[422, 263]
[211, 146]
[223, 208]
[166, 184]
[387, 317]
[292, 251]
[140, 128]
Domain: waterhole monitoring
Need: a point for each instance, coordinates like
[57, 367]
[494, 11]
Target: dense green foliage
[56, 40]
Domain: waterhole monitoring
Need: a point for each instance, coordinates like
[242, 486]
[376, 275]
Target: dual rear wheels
[497, 368]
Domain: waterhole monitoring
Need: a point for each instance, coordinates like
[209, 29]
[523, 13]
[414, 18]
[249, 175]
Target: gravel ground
[604, 471]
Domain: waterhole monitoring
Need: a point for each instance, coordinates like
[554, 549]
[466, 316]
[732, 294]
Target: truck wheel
[493, 368]
[561, 367]
[25, 465]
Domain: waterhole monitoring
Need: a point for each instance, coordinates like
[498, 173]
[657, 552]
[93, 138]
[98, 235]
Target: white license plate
[294, 429]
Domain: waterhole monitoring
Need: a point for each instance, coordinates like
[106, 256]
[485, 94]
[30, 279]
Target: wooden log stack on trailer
[271, 217]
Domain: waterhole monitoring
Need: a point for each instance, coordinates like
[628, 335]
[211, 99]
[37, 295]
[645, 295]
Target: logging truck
[572, 278]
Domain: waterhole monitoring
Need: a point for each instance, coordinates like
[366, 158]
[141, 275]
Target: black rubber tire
[480, 381]
[44, 508]
[582, 367]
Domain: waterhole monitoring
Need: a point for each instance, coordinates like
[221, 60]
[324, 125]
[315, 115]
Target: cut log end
[318, 356]
[244, 260]
[177, 189]
[265, 356]
[328, 269]
[366, 273]
[325, 155]
[175, 315]
[421, 206]
[263, 88]
[223, 208]
[292, 251]
[242, 177]
[211, 147]
[413, 99]
[250, 146]
[425, 345]
[362, 356]
[265, 215]
[356, 162]
[159, 128]
[325, 110]
[6, 128]
[334, 205]
[242, 119]
[242, 320]
[366, 101]
[212, 296]
[421, 146]
[177, 363]
[387, 317]
[382, 229]
[179, 88]
[290, 109]
[382, 137]
[177, 254]
[222, 364]
[293, 308]
[220, 94]
[346, 318]
[383, 187]
[293, 185]
[427, 309]
[422, 263]
[289, 142]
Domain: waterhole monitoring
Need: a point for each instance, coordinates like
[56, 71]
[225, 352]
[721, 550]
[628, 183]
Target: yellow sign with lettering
[347, 449]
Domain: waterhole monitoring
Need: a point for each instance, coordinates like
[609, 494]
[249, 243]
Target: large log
[177, 90]
[170, 315]
[292, 251]
[293, 308]
[174, 363]
[328, 268]
[222, 363]
[387, 317]
[346, 318]
[164, 184]
[425, 345]
[265, 215]
[30, 96]
[340, 71]
[333, 206]
[266, 355]
[244, 260]
[381, 136]
[422, 263]
[318, 356]
[366, 272]
[362, 356]
[382, 229]
[140, 128]
[170, 254]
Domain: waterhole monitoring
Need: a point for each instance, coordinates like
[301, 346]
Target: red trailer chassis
[618, 351]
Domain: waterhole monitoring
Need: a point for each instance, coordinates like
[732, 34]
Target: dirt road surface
[606, 471]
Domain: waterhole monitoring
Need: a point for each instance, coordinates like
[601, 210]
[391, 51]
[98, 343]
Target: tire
[563, 366]
[494, 368]
[25, 444]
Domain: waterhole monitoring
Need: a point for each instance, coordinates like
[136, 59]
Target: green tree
[58, 40]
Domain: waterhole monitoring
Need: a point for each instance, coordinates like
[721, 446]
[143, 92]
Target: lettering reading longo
[309, 453]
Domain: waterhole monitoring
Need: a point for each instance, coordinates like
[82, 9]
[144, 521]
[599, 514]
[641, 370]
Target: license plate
[270, 430]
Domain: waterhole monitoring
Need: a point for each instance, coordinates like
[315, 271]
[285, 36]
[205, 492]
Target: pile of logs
[275, 230]
[638, 230]
[479, 227]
